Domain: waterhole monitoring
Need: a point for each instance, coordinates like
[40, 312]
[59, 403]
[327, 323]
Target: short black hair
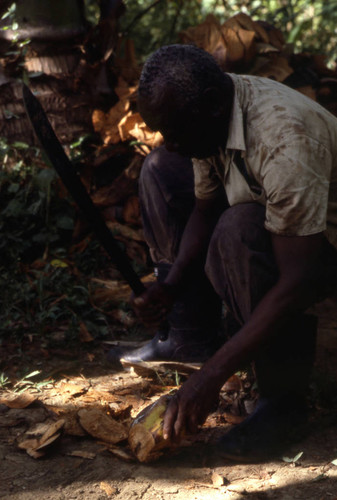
[185, 68]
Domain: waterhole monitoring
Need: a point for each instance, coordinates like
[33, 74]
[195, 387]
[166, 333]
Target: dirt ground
[82, 467]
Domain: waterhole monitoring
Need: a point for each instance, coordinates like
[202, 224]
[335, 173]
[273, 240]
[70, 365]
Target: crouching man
[240, 207]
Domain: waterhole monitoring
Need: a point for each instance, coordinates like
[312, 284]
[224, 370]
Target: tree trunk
[68, 63]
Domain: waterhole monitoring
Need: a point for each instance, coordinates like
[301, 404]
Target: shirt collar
[236, 136]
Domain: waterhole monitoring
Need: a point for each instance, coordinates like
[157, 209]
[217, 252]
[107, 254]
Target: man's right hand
[154, 304]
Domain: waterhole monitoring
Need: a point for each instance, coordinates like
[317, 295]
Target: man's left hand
[190, 406]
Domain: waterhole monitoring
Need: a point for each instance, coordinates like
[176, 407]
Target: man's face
[193, 133]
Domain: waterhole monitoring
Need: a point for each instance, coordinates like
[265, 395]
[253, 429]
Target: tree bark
[66, 64]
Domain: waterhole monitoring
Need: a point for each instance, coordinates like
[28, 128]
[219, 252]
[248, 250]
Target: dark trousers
[240, 264]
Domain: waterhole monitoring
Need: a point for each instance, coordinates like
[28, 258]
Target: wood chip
[152, 368]
[35, 444]
[100, 425]
[108, 489]
[217, 480]
[17, 401]
[82, 454]
[121, 453]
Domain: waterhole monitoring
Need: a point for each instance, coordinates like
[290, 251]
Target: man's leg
[242, 269]
[166, 189]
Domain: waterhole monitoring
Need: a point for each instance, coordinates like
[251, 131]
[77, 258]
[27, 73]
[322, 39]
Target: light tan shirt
[289, 146]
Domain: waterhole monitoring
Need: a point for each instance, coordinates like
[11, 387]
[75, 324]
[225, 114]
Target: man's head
[186, 96]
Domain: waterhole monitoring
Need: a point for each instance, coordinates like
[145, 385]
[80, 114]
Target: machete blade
[60, 161]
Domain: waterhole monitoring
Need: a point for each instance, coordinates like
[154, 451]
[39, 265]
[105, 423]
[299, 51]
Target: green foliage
[310, 26]
[152, 23]
[4, 381]
[26, 383]
[41, 286]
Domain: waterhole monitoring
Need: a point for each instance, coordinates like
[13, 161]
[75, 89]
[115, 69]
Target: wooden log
[146, 438]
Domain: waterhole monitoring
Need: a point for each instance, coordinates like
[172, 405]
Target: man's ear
[213, 101]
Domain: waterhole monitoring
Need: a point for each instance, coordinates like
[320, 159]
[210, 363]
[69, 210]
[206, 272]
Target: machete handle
[70, 178]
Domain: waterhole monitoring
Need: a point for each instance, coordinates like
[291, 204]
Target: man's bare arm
[297, 259]
[153, 305]
[195, 240]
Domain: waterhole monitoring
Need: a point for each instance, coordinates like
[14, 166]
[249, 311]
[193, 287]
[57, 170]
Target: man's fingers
[180, 423]
[170, 416]
[193, 423]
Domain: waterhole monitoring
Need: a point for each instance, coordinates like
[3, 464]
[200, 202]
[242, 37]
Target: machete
[60, 161]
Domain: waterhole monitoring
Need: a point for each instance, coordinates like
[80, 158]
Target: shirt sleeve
[296, 182]
[207, 184]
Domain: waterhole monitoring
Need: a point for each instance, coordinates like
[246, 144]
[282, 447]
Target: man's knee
[152, 164]
[172, 171]
[240, 226]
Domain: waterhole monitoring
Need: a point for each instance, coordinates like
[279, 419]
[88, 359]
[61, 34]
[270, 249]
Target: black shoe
[180, 345]
[266, 433]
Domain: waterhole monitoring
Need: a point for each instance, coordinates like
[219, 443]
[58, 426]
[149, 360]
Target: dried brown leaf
[309, 91]
[265, 48]
[242, 20]
[277, 67]
[131, 211]
[276, 38]
[233, 419]
[126, 231]
[107, 123]
[247, 39]
[233, 384]
[207, 35]
[132, 126]
[235, 48]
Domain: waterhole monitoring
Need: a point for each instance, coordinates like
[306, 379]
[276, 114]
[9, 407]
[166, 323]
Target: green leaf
[20, 145]
[58, 263]
[298, 456]
[292, 460]
[10, 11]
[32, 374]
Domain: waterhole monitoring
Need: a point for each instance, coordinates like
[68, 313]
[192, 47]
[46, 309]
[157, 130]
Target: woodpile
[242, 45]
